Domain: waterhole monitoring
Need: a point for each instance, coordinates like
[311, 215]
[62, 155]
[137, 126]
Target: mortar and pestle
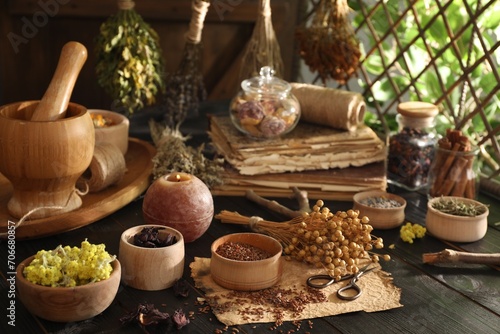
[46, 145]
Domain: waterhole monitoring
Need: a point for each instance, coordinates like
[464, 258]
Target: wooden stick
[271, 205]
[302, 198]
[452, 256]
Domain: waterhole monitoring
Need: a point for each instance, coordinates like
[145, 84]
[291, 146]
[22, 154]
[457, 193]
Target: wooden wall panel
[26, 72]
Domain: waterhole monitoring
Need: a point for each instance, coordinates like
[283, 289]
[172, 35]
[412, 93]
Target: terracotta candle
[181, 201]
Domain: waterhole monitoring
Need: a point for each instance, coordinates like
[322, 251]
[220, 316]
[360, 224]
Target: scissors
[312, 282]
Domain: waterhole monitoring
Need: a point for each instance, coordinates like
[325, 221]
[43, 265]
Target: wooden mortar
[43, 160]
[46, 145]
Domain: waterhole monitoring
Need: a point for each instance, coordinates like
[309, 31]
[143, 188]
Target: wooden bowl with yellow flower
[63, 297]
[110, 127]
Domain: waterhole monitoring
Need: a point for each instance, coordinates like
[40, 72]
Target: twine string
[253, 221]
[126, 4]
[48, 207]
[200, 9]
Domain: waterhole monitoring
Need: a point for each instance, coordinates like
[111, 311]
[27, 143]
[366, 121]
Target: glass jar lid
[266, 83]
[417, 109]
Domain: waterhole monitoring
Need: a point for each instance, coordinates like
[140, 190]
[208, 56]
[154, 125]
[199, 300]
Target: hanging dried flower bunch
[185, 87]
[129, 59]
[263, 48]
[328, 45]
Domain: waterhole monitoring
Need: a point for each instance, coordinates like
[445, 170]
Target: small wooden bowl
[456, 228]
[247, 275]
[380, 218]
[69, 304]
[117, 133]
[151, 269]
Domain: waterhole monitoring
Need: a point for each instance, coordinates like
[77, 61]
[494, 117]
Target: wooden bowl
[247, 275]
[456, 228]
[151, 269]
[69, 304]
[43, 160]
[380, 218]
[116, 133]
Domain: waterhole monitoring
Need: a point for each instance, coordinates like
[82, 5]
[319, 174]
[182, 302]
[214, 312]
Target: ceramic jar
[265, 107]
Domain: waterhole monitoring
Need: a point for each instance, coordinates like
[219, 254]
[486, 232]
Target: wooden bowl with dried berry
[246, 261]
[152, 257]
[385, 210]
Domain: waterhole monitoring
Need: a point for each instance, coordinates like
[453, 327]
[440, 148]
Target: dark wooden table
[436, 299]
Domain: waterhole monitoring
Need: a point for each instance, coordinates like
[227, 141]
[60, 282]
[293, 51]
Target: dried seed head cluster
[329, 45]
[334, 241]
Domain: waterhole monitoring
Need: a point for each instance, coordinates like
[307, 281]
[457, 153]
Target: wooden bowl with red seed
[246, 261]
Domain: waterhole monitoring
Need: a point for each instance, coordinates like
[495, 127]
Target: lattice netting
[439, 51]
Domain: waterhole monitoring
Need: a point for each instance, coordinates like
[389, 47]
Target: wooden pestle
[55, 101]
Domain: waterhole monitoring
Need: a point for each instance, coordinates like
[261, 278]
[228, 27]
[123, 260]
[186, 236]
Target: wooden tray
[95, 206]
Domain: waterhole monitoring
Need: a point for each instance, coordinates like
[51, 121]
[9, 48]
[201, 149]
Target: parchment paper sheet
[379, 294]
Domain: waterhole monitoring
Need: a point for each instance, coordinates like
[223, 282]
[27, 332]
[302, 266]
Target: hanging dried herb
[263, 48]
[185, 87]
[329, 45]
[129, 60]
[174, 155]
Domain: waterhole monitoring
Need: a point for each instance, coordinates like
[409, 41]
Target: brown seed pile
[241, 251]
[275, 300]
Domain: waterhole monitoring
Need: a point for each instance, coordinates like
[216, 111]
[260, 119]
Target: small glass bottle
[265, 107]
[411, 149]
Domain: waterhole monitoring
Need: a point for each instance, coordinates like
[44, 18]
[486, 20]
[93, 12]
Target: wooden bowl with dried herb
[385, 210]
[152, 257]
[456, 219]
[246, 261]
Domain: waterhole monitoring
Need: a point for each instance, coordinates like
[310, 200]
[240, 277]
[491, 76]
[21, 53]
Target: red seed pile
[241, 251]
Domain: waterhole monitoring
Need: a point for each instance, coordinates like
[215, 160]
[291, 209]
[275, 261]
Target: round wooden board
[95, 205]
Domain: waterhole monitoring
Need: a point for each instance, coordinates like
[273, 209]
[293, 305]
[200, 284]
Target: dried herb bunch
[185, 87]
[130, 64]
[263, 48]
[174, 155]
[329, 45]
[457, 207]
[334, 241]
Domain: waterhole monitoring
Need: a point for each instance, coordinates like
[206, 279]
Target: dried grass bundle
[329, 45]
[185, 87]
[263, 48]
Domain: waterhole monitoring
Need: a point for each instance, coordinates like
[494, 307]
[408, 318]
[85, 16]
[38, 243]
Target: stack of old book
[327, 163]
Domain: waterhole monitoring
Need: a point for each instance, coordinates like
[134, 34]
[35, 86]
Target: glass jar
[265, 107]
[411, 149]
[454, 173]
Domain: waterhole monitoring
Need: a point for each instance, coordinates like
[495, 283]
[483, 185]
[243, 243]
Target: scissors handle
[318, 281]
[351, 286]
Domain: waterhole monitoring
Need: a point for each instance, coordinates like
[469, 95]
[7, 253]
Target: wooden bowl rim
[272, 240]
[378, 193]
[131, 231]
[120, 119]
[450, 216]
[82, 112]
[20, 276]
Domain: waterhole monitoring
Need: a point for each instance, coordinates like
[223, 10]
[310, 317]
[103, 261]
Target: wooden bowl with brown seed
[246, 261]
